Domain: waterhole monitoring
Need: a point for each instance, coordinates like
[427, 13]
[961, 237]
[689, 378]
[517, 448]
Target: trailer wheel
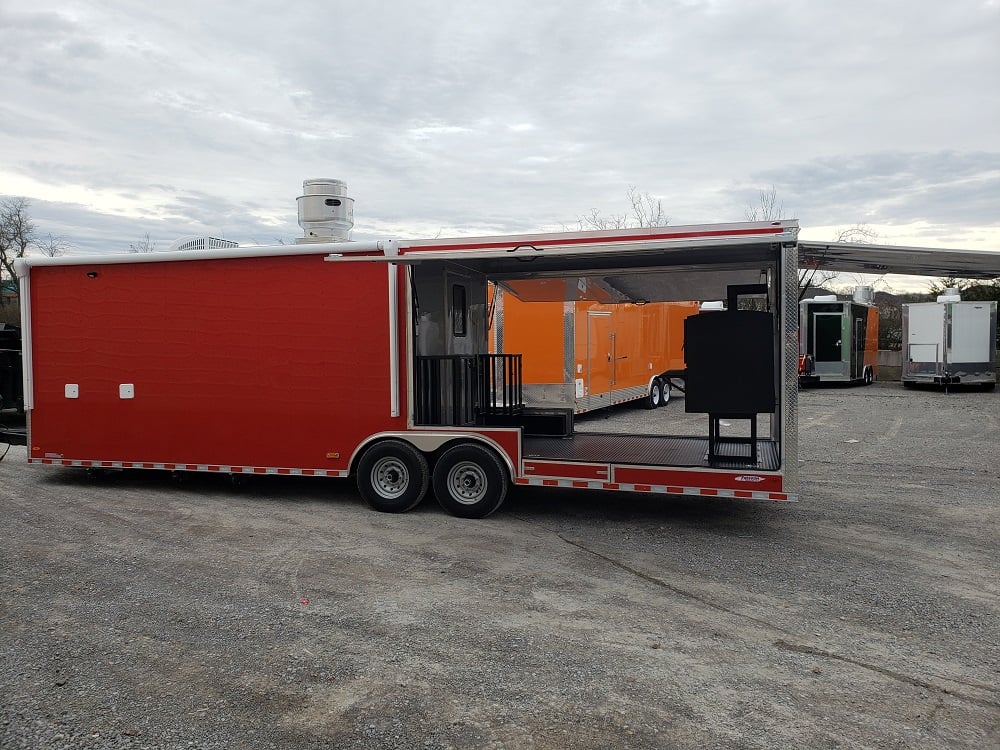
[664, 391]
[869, 376]
[393, 476]
[470, 481]
[654, 398]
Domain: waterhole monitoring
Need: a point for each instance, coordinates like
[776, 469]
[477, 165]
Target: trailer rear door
[969, 333]
[925, 338]
[828, 343]
[600, 359]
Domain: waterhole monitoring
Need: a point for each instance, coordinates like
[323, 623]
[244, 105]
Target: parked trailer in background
[950, 341]
[584, 355]
[838, 340]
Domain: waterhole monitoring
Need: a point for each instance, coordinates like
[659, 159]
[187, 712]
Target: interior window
[459, 313]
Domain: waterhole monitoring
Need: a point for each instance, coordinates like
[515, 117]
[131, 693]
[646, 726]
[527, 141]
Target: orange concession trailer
[586, 355]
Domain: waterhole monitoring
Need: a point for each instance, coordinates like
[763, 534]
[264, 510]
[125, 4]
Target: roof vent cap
[326, 212]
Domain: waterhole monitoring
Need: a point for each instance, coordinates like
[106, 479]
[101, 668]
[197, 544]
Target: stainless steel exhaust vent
[326, 213]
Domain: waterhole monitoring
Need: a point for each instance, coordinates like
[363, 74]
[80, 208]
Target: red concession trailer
[332, 358]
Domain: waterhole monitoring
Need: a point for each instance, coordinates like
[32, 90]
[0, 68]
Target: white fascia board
[596, 236]
[527, 250]
[21, 265]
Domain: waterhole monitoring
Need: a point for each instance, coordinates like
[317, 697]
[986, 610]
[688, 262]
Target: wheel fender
[432, 442]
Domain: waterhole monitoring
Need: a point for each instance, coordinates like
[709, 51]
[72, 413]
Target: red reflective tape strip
[522, 480]
[612, 486]
[777, 496]
[708, 492]
[581, 484]
[643, 488]
[570, 471]
[550, 482]
[742, 493]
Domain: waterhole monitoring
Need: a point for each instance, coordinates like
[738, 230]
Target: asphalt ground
[138, 611]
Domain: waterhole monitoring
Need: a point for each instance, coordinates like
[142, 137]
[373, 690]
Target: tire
[664, 392]
[654, 398]
[470, 481]
[393, 476]
[869, 376]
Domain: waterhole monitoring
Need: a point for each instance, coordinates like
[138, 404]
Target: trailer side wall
[230, 362]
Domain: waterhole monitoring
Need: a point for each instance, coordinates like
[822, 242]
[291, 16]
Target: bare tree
[646, 211]
[596, 220]
[51, 246]
[768, 207]
[938, 286]
[813, 277]
[144, 245]
[861, 234]
[17, 233]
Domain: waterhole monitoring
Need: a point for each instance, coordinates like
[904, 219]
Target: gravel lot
[142, 612]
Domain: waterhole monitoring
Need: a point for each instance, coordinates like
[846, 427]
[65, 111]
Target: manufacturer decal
[749, 478]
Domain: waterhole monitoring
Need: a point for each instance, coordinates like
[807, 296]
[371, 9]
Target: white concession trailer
[950, 341]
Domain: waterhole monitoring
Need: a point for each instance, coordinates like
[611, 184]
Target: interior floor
[653, 450]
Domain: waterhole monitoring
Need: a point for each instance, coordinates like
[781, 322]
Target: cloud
[448, 118]
[946, 188]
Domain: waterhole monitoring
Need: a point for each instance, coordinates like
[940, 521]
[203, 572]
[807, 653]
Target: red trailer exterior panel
[247, 349]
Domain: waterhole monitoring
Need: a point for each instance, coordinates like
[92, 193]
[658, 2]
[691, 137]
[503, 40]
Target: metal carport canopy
[899, 259]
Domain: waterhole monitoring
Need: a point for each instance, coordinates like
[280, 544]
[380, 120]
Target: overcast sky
[120, 119]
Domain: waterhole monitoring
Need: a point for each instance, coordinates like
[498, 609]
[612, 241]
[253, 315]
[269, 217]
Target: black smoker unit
[11, 387]
[730, 370]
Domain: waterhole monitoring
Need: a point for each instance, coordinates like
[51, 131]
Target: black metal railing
[460, 389]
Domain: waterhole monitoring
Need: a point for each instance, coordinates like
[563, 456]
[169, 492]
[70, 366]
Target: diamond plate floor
[651, 450]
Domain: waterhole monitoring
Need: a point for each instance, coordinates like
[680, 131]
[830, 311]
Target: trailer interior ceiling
[914, 261]
[649, 272]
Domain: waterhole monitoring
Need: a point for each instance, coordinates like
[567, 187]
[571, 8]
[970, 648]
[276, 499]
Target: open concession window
[557, 367]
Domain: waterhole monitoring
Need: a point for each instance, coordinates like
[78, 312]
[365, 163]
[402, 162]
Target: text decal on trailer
[749, 478]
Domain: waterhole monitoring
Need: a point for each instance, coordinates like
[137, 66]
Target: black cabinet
[730, 375]
[730, 362]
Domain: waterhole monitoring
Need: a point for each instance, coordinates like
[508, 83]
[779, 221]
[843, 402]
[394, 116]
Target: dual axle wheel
[659, 394]
[469, 479]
